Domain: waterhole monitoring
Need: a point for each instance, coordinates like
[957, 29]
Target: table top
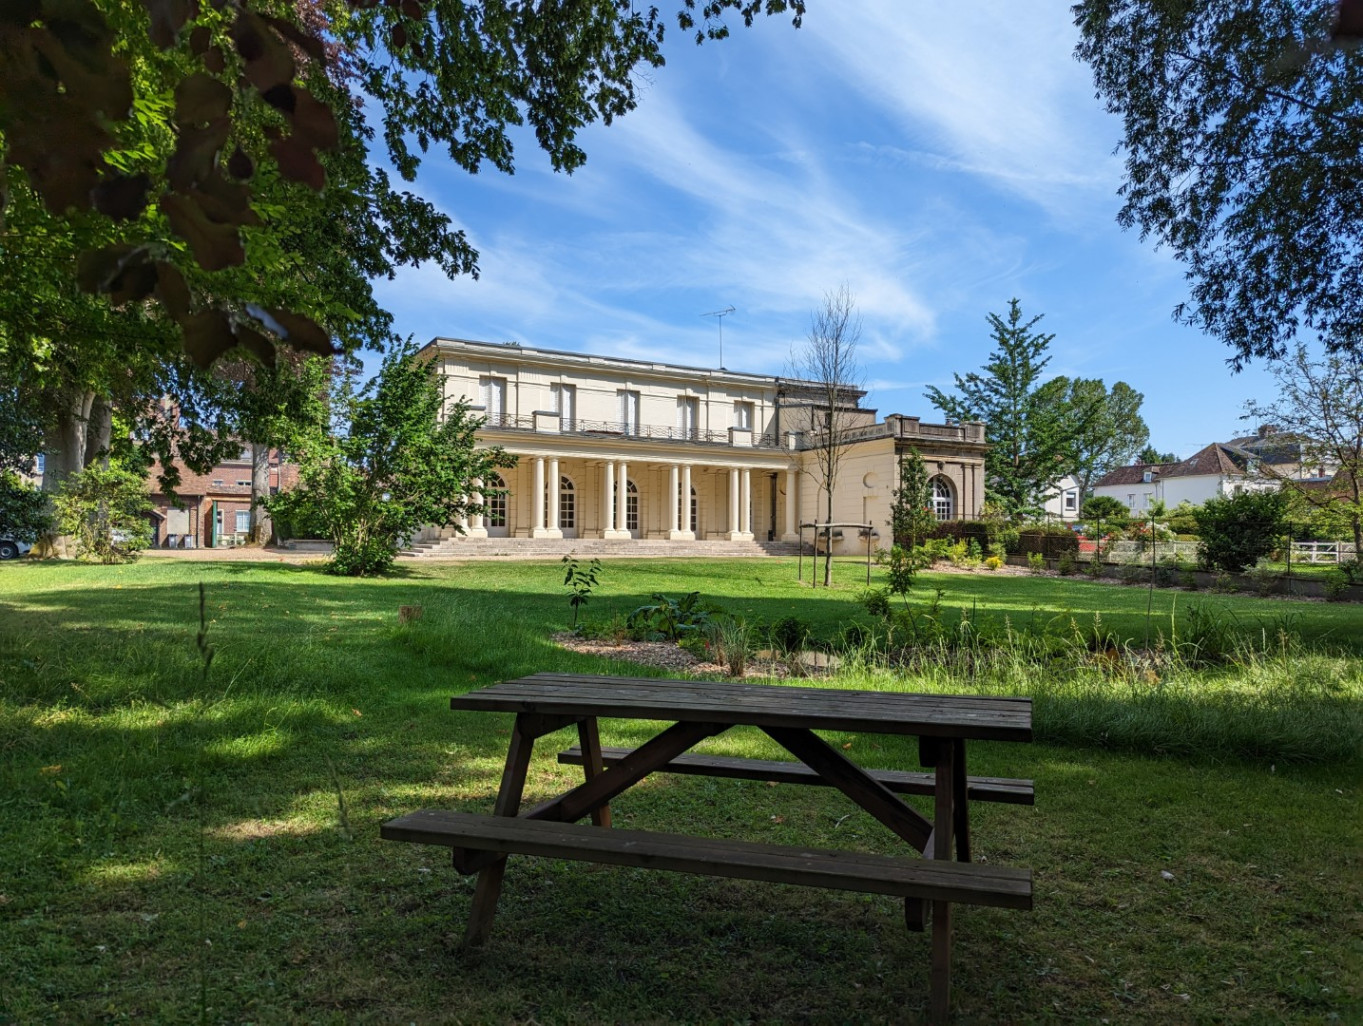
[761, 705]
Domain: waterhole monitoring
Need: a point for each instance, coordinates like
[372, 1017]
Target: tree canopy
[1109, 428]
[1242, 129]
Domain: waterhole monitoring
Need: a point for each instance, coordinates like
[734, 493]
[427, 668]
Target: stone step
[553, 548]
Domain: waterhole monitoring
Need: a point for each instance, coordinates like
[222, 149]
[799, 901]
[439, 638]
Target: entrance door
[495, 499]
[632, 509]
[567, 507]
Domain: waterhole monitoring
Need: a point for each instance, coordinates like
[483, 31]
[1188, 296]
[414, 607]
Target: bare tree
[827, 363]
[1319, 408]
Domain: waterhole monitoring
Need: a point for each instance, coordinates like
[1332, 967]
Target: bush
[1036, 562]
[1336, 583]
[993, 563]
[670, 617]
[876, 601]
[106, 510]
[1065, 565]
[1103, 507]
[789, 634]
[1237, 532]
[1352, 569]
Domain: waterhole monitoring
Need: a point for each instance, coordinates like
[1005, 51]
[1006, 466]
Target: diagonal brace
[648, 758]
[853, 781]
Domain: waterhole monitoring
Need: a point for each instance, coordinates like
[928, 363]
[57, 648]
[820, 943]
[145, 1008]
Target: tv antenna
[719, 315]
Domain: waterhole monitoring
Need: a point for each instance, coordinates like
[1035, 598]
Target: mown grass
[160, 833]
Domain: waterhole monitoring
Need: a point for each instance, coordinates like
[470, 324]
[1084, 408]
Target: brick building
[214, 509]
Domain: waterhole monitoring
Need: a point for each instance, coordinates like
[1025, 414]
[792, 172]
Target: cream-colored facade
[621, 449]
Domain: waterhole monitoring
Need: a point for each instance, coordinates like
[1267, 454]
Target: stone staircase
[587, 548]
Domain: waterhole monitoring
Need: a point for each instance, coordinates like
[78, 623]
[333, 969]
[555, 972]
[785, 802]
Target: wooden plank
[998, 886]
[852, 781]
[981, 789]
[963, 716]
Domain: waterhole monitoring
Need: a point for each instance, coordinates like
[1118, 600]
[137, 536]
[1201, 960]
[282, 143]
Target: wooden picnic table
[546, 702]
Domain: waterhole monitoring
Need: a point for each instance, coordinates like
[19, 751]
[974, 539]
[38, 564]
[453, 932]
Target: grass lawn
[177, 846]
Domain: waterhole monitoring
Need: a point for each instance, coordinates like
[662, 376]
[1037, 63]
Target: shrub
[670, 617]
[1065, 565]
[1134, 572]
[1036, 562]
[789, 633]
[876, 601]
[1103, 507]
[993, 563]
[1189, 579]
[1224, 584]
[579, 581]
[1265, 578]
[1352, 569]
[106, 509]
[1336, 583]
[1238, 531]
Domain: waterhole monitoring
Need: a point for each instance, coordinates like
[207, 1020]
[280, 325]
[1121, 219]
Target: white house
[1257, 462]
[1063, 501]
[619, 449]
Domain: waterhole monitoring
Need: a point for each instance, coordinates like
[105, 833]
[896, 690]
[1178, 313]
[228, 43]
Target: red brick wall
[198, 492]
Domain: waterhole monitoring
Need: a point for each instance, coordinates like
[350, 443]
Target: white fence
[1302, 552]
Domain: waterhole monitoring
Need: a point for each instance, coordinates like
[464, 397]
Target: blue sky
[938, 159]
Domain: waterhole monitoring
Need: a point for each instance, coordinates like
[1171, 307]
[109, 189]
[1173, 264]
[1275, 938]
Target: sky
[937, 159]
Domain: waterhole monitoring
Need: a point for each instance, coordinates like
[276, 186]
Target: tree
[1152, 455]
[1029, 424]
[1103, 507]
[1242, 128]
[1319, 408]
[393, 466]
[1109, 427]
[911, 515]
[1236, 532]
[827, 361]
[24, 512]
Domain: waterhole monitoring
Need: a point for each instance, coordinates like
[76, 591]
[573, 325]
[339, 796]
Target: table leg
[589, 740]
[962, 801]
[944, 819]
[489, 886]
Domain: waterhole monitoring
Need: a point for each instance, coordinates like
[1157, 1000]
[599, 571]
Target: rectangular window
[565, 405]
[1131, 501]
[492, 395]
[687, 409]
[743, 416]
[629, 412]
[1071, 499]
[243, 484]
[243, 521]
[217, 482]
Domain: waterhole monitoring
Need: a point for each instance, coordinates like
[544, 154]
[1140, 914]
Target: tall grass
[1212, 687]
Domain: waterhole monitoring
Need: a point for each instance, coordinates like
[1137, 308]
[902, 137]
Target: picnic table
[547, 702]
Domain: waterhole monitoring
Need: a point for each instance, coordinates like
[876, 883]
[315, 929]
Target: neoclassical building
[621, 449]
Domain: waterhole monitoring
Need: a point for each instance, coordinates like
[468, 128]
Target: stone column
[608, 499]
[745, 504]
[477, 529]
[539, 530]
[554, 483]
[614, 499]
[734, 531]
[674, 504]
[621, 490]
[790, 534]
[687, 531]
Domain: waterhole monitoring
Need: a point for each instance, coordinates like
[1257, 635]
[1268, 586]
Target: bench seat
[965, 882]
[980, 789]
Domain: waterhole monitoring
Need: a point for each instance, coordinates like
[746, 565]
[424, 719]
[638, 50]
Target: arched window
[567, 503]
[695, 512]
[631, 506]
[495, 501]
[943, 501]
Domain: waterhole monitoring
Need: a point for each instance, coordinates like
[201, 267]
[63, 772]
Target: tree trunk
[261, 528]
[99, 426]
[828, 544]
[64, 444]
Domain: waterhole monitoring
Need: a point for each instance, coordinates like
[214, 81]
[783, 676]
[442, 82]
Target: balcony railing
[623, 430]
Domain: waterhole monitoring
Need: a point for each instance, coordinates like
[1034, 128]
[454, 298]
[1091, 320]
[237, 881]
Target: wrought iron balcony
[623, 430]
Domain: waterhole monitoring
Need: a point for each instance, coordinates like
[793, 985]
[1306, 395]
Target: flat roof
[653, 366]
